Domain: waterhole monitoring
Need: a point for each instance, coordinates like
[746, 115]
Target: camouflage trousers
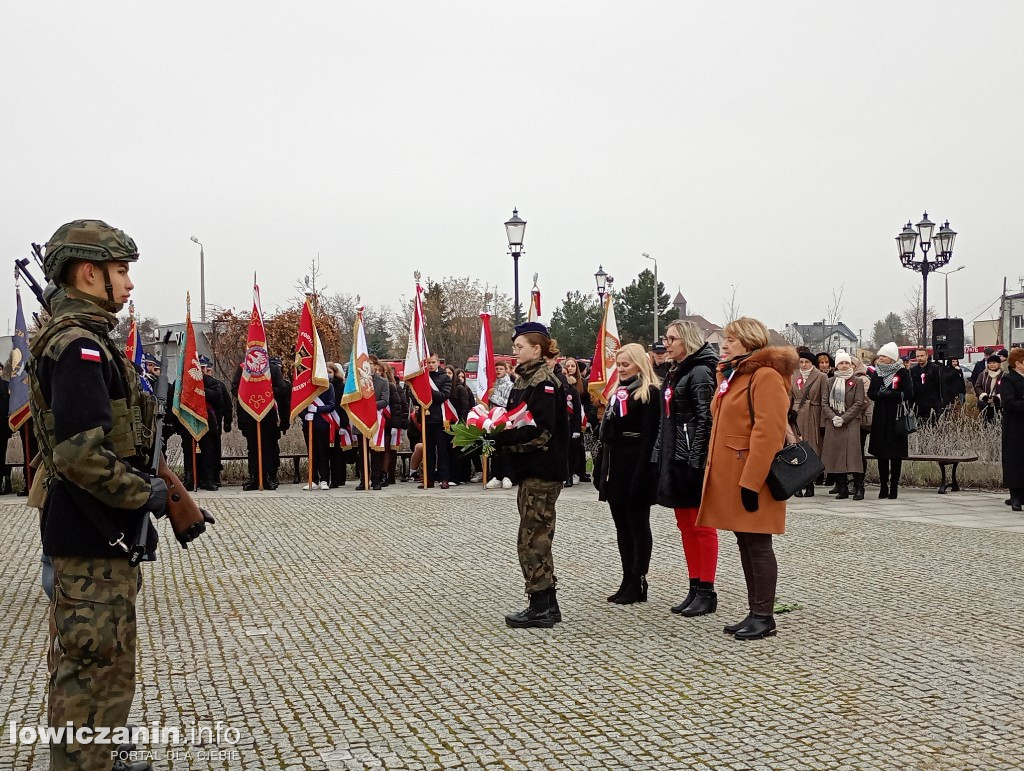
[91, 659]
[536, 501]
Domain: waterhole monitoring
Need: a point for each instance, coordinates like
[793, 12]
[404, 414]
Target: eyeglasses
[670, 339]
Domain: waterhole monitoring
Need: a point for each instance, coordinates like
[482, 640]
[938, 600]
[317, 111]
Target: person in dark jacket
[573, 413]
[397, 422]
[580, 406]
[341, 451]
[624, 472]
[954, 387]
[987, 388]
[979, 366]
[382, 395]
[681, 453]
[218, 416]
[435, 442]
[263, 448]
[927, 379]
[1011, 396]
[890, 388]
[463, 400]
[317, 427]
[538, 456]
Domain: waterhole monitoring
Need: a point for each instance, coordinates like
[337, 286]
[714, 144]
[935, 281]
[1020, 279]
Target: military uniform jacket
[540, 451]
[81, 385]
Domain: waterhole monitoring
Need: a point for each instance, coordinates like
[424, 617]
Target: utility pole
[1002, 315]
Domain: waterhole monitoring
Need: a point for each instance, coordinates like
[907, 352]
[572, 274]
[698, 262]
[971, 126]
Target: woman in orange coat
[736, 497]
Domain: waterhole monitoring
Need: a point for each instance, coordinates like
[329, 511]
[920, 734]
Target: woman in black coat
[891, 386]
[1011, 396]
[681, 453]
[463, 400]
[624, 474]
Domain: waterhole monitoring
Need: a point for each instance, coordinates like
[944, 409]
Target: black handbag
[906, 420]
[794, 467]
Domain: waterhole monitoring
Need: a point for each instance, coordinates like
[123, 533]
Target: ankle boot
[844, 488]
[537, 614]
[756, 628]
[704, 603]
[688, 598]
[619, 591]
[251, 484]
[634, 592]
[734, 628]
[858, 487]
[894, 489]
[835, 480]
[809, 492]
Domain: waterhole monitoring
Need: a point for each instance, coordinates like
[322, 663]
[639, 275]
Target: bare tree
[834, 312]
[912, 315]
[731, 308]
[312, 283]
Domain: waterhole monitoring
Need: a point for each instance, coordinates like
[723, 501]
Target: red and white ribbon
[622, 395]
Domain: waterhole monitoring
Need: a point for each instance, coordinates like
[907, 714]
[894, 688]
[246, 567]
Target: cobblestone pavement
[342, 630]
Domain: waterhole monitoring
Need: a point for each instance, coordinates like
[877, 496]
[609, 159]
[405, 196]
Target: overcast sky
[776, 146]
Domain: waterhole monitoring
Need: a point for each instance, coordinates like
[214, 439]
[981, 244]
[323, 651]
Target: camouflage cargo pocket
[94, 612]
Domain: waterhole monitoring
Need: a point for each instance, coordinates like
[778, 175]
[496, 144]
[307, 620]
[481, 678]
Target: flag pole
[259, 451]
[426, 465]
[485, 470]
[366, 463]
[28, 460]
[195, 472]
[310, 454]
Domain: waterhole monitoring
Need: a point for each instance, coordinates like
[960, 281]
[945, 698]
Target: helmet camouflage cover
[91, 240]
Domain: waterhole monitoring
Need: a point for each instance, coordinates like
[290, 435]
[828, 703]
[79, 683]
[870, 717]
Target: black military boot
[251, 484]
[270, 483]
[688, 598]
[538, 614]
[858, 487]
[704, 603]
[556, 612]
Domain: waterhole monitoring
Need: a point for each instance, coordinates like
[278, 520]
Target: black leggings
[890, 469]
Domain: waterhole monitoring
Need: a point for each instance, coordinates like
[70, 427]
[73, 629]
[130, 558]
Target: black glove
[196, 530]
[749, 498]
[157, 503]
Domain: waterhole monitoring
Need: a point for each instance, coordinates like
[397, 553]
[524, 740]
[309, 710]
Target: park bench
[943, 461]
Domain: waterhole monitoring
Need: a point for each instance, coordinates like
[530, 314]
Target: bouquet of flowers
[482, 425]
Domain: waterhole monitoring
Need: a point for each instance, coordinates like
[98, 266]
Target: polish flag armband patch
[90, 354]
[548, 388]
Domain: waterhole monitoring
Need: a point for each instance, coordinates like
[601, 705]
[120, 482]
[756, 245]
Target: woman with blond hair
[750, 411]
[681, 452]
[623, 472]
[577, 453]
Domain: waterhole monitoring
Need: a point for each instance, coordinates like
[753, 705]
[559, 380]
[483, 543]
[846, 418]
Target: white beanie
[842, 356]
[891, 350]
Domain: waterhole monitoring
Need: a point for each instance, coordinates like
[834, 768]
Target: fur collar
[782, 359]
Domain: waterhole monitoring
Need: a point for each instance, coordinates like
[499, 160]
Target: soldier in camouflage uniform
[538, 456]
[94, 427]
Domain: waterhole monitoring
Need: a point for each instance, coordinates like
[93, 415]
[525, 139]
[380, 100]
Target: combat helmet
[91, 240]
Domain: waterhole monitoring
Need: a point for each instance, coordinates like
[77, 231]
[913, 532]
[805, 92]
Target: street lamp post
[602, 282]
[515, 228]
[652, 259]
[946, 274]
[202, 280]
[907, 242]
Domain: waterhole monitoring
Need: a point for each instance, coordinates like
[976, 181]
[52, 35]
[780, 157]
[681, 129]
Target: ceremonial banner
[19, 409]
[190, 394]
[133, 349]
[417, 353]
[603, 375]
[534, 313]
[358, 400]
[485, 375]
[255, 391]
[310, 378]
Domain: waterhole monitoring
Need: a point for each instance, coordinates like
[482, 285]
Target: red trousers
[700, 545]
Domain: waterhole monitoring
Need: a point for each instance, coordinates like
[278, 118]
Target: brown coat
[843, 450]
[740, 455]
[807, 398]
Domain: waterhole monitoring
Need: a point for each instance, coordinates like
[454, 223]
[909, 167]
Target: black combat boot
[756, 628]
[556, 612]
[688, 598]
[844, 487]
[704, 603]
[858, 487]
[270, 483]
[538, 614]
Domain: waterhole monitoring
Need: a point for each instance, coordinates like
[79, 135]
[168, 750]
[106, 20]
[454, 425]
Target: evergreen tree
[574, 324]
[634, 312]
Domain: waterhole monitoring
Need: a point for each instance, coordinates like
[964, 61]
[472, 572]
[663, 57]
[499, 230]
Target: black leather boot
[756, 628]
[809, 492]
[619, 591]
[635, 591]
[883, 483]
[858, 487]
[688, 598]
[556, 612]
[734, 628]
[894, 491]
[835, 487]
[251, 484]
[844, 487]
[538, 614]
[704, 603]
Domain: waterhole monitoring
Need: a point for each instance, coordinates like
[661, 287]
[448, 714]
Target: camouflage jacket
[539, 451]
[94, 427]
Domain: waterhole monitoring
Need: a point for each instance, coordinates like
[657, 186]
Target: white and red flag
[485, 375]
[417, 353]
[358, 399]
[534, 312]
[604, 377]
[310, 379]
[255, 391]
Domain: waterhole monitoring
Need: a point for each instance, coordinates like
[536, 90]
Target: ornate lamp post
[202, 280]
[602, 282]
[515, 228]
[907, 243]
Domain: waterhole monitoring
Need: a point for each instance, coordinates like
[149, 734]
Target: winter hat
[891, 350]
[530, 326]
[805, 353]
[994, 359]
[842, 356]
